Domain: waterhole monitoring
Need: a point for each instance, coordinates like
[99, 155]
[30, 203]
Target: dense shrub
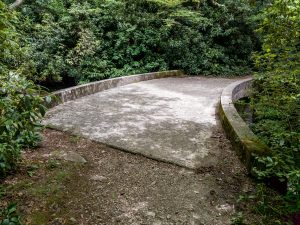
[96, 39]
[276, 101]
[9, 48]
[21, 106]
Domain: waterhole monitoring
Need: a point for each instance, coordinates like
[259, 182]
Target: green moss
[255, 146]
[242, 138]
[39, 218]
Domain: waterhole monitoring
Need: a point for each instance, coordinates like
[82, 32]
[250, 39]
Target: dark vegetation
[90, 40]
[276, 100]
[58, 43]
[21, 104]
[275, 106]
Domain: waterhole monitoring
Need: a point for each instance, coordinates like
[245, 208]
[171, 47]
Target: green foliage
[10, 216]
[21, 108]
[94, 39]
[276, 101]
[12, 54]
[270, 207]
[9, 48]
[238, 219]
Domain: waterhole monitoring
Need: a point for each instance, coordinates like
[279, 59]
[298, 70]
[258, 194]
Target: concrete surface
[79, 91]
[169, 119]
[243, 140]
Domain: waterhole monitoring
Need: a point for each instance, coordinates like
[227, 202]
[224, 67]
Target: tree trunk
[16, 4]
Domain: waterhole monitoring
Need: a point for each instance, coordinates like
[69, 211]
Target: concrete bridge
[172, 119]
[169, 119]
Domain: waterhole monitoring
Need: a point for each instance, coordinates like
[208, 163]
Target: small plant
[10, 216]
[238, 219]
[31, 170]
[21, 109]
[270, 207]
[2, 191]
[52, 164]
[74, 139]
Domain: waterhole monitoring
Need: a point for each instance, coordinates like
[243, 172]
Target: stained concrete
[243, 140]
[76, 92]
[169, 119]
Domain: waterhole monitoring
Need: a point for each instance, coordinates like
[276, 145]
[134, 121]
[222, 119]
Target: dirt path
[115, 187]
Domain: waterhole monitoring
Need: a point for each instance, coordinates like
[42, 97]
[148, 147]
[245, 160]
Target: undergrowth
[275, 104]
[268, 206]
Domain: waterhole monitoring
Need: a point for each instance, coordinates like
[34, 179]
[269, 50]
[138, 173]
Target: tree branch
[215, 3]
[16, 4]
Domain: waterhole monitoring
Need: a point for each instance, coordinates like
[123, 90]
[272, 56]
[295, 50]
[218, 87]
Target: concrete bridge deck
[168, 119]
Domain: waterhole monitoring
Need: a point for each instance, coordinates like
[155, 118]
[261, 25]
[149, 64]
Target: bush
[21, 105]
[94, 39]
[10, 216]
[276, 101]
[21, 108]
[9, 47]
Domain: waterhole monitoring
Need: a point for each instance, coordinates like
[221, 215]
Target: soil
[115, 187]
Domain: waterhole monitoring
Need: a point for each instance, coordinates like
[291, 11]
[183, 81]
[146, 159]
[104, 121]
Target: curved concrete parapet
[244, 141]
[73, 93]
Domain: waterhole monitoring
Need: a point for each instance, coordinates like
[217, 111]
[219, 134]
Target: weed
[10, 216]
[31, 170]
[52, 164]
[238, 219]
[74, 139]
[2, 191]
[268, 205]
